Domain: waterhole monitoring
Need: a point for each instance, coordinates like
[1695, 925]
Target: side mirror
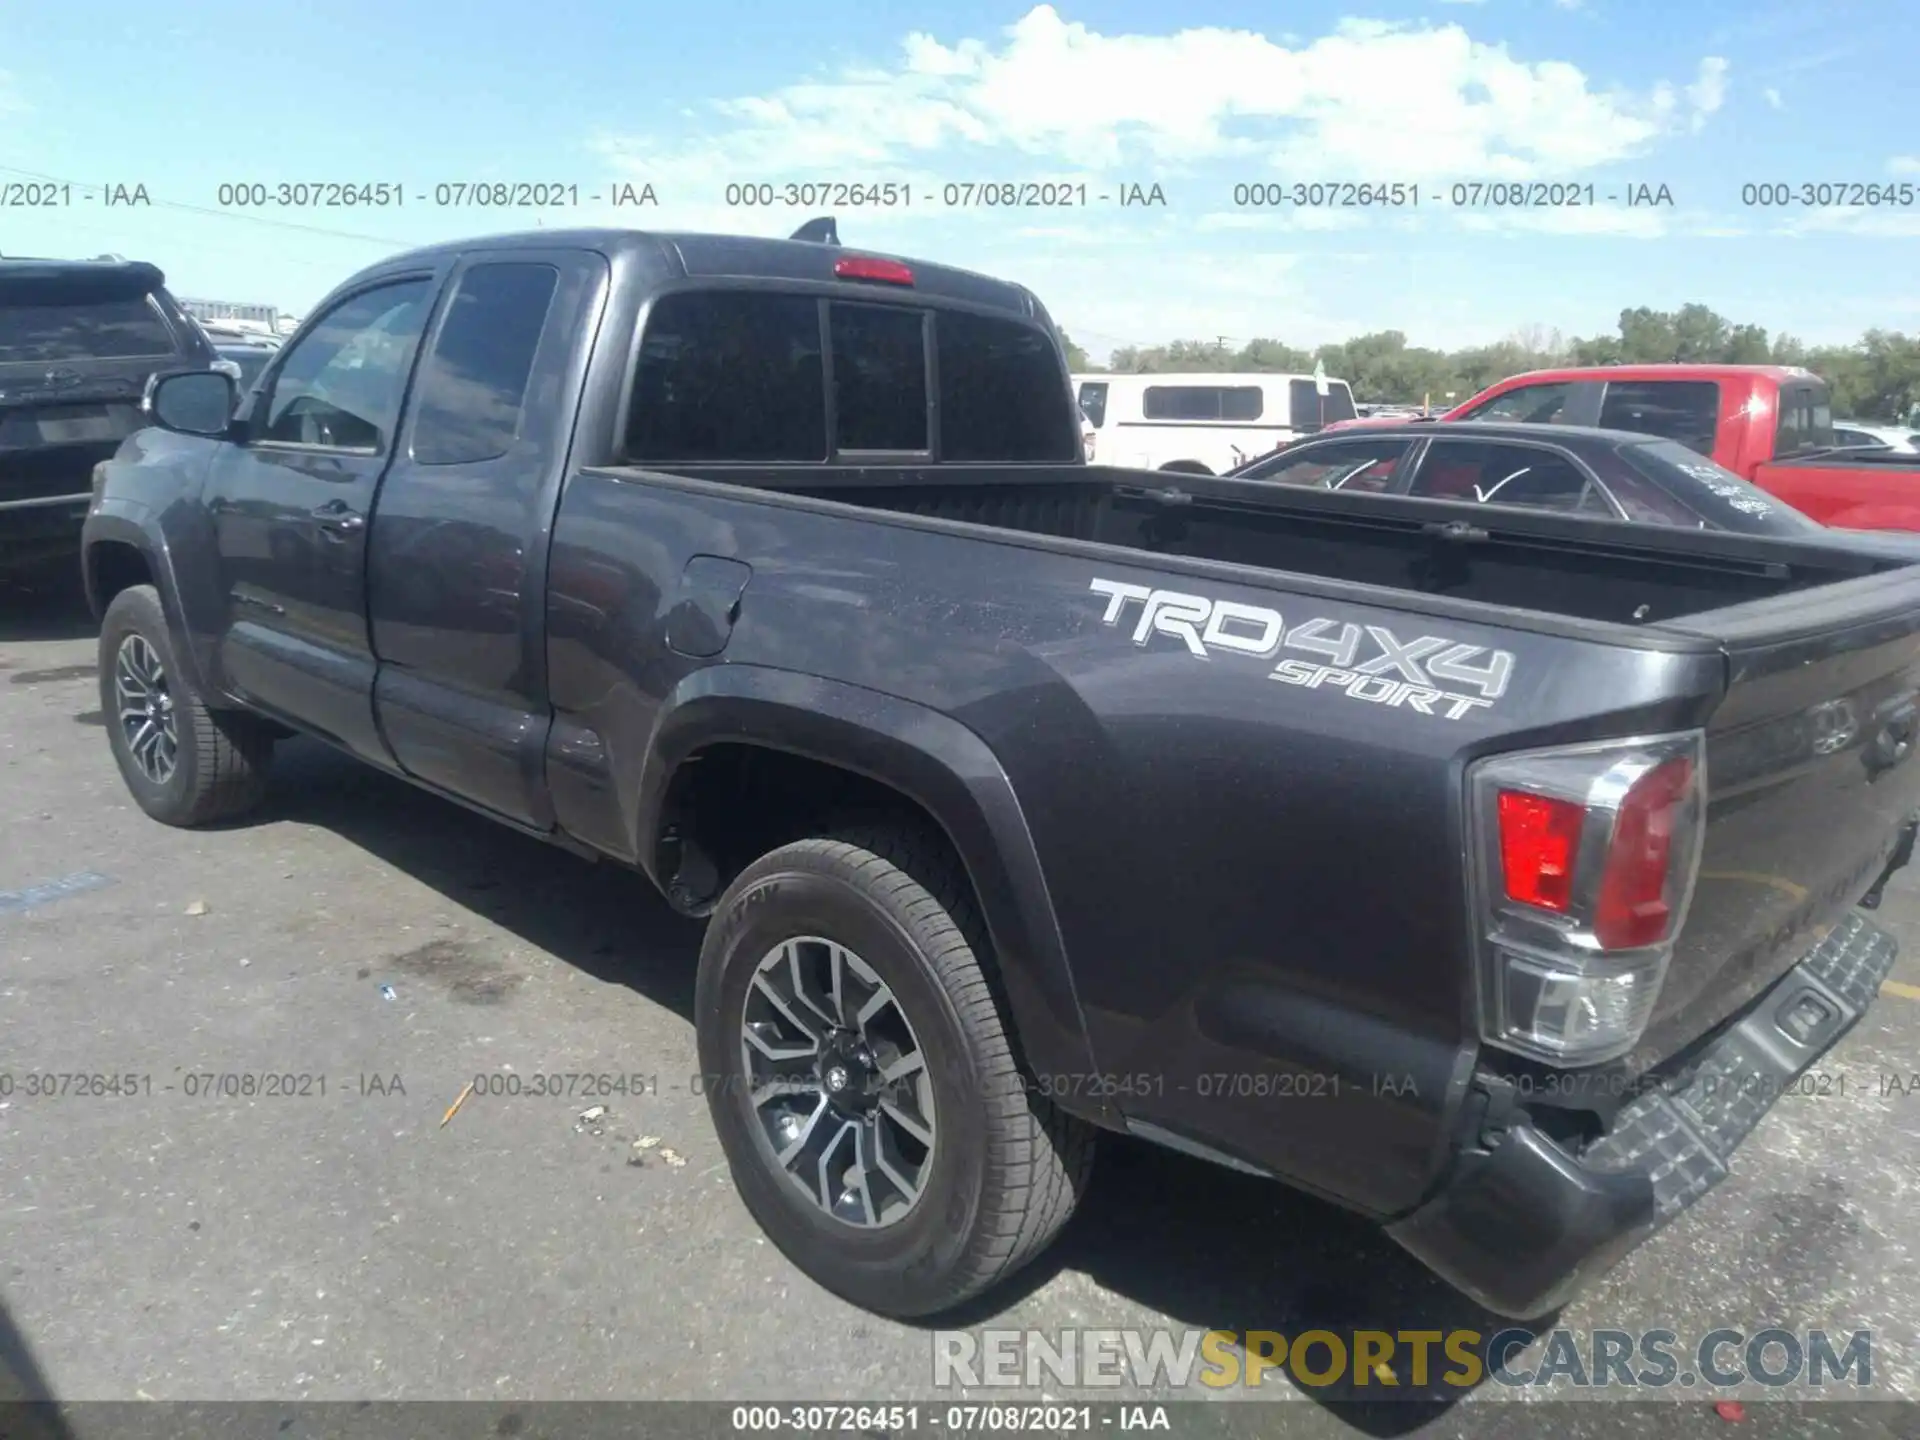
[196, 402]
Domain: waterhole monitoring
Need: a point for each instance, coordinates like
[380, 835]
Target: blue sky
[1699, 97]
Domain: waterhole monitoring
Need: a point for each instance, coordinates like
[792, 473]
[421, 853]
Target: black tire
[1008, 1166]
[220, 756]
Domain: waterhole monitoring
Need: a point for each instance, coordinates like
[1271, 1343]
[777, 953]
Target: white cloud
[1854, 220]
[1050, 97]
[1774, 99]
[1708, 91]
[1904, 165]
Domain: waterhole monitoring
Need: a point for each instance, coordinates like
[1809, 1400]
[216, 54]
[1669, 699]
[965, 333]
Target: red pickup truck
[1771, 424]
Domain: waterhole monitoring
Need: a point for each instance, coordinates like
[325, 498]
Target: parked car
[1089, 437]
[1770, 424]
[243, 360]
[1202, 423]
[1027, 799]
[78, 341]
[1854, 434]
[1569, 469]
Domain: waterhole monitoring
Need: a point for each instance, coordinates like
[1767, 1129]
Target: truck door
[290, 505]
[458, 558]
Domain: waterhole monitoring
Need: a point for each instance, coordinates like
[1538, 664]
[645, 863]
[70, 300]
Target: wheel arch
[118, 552]
[829, 742]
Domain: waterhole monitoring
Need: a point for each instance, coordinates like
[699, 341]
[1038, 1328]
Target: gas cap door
[701, 614]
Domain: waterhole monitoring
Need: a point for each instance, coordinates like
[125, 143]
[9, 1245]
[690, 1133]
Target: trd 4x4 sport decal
[1364, 662]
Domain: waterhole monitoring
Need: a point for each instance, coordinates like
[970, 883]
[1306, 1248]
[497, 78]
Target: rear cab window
[1684, 411]
[746, 376]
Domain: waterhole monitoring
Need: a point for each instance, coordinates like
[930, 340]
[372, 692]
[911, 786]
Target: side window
[1366, 466]
[339, 385]
[473, 384]
[879, 378]
[1528, 405]
[1003, 392]
[1093, 401]
[1308, 409]
[729, 375]
[1241, 403]
[1505, 475]
[1687, 411]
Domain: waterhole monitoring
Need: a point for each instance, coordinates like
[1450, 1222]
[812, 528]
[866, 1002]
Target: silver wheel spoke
[906, 1065]
[774, 999]
[800, 988]
[775, 1051]
[912, 1124]
[805, 1134]
[847, 1127]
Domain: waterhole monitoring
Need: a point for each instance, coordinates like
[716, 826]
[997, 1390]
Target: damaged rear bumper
[1523, 1224]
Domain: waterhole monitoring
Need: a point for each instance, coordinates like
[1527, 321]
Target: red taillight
[865, 267]
[1539, 842]
[1635, 907]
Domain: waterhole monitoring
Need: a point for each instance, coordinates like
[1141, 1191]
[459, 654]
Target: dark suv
[78, 341]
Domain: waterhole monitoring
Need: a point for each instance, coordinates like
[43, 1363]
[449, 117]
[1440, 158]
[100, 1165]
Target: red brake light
[1539, 842]
[1635, 907]
[866, 267]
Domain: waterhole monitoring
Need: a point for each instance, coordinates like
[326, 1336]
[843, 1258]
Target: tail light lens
[1583, 864]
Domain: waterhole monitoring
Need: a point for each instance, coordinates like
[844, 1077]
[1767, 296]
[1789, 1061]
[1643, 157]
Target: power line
[220, 214]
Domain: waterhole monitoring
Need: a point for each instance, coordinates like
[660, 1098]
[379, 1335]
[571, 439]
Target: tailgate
[1811, 777]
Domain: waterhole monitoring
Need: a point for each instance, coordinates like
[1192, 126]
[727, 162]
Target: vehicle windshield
[1720, 498]
[109, 328]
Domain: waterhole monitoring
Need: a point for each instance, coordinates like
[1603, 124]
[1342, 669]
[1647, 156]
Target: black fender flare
[125, 522]
[947, 770]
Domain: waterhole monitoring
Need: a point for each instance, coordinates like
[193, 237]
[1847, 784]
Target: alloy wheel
[145, 703]
[838, 1082]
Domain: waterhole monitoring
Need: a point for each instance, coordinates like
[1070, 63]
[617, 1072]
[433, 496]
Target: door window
[339, 385]
[1093, 401]
[1528, 405]
[1518, 475]
[1366, 466]
[473, 386]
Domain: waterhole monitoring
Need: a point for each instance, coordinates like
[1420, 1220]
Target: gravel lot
[173, 1246]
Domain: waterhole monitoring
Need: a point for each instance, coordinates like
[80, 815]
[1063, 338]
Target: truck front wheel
[183, 764]
[861, 1074]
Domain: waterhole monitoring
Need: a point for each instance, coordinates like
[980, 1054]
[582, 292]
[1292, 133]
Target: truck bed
[1567, 566]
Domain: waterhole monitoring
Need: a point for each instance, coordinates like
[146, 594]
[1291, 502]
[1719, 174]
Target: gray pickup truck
[1487, 872]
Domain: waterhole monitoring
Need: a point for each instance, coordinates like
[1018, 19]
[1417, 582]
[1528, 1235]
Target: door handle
[336, 519]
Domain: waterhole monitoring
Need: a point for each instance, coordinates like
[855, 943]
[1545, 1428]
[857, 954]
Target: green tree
[1077, 359]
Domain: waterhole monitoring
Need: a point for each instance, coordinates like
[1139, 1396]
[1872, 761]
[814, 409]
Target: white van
[1204, 423]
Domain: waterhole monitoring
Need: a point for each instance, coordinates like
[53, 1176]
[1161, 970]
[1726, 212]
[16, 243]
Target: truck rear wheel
[184, 764]
[861, 1075]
